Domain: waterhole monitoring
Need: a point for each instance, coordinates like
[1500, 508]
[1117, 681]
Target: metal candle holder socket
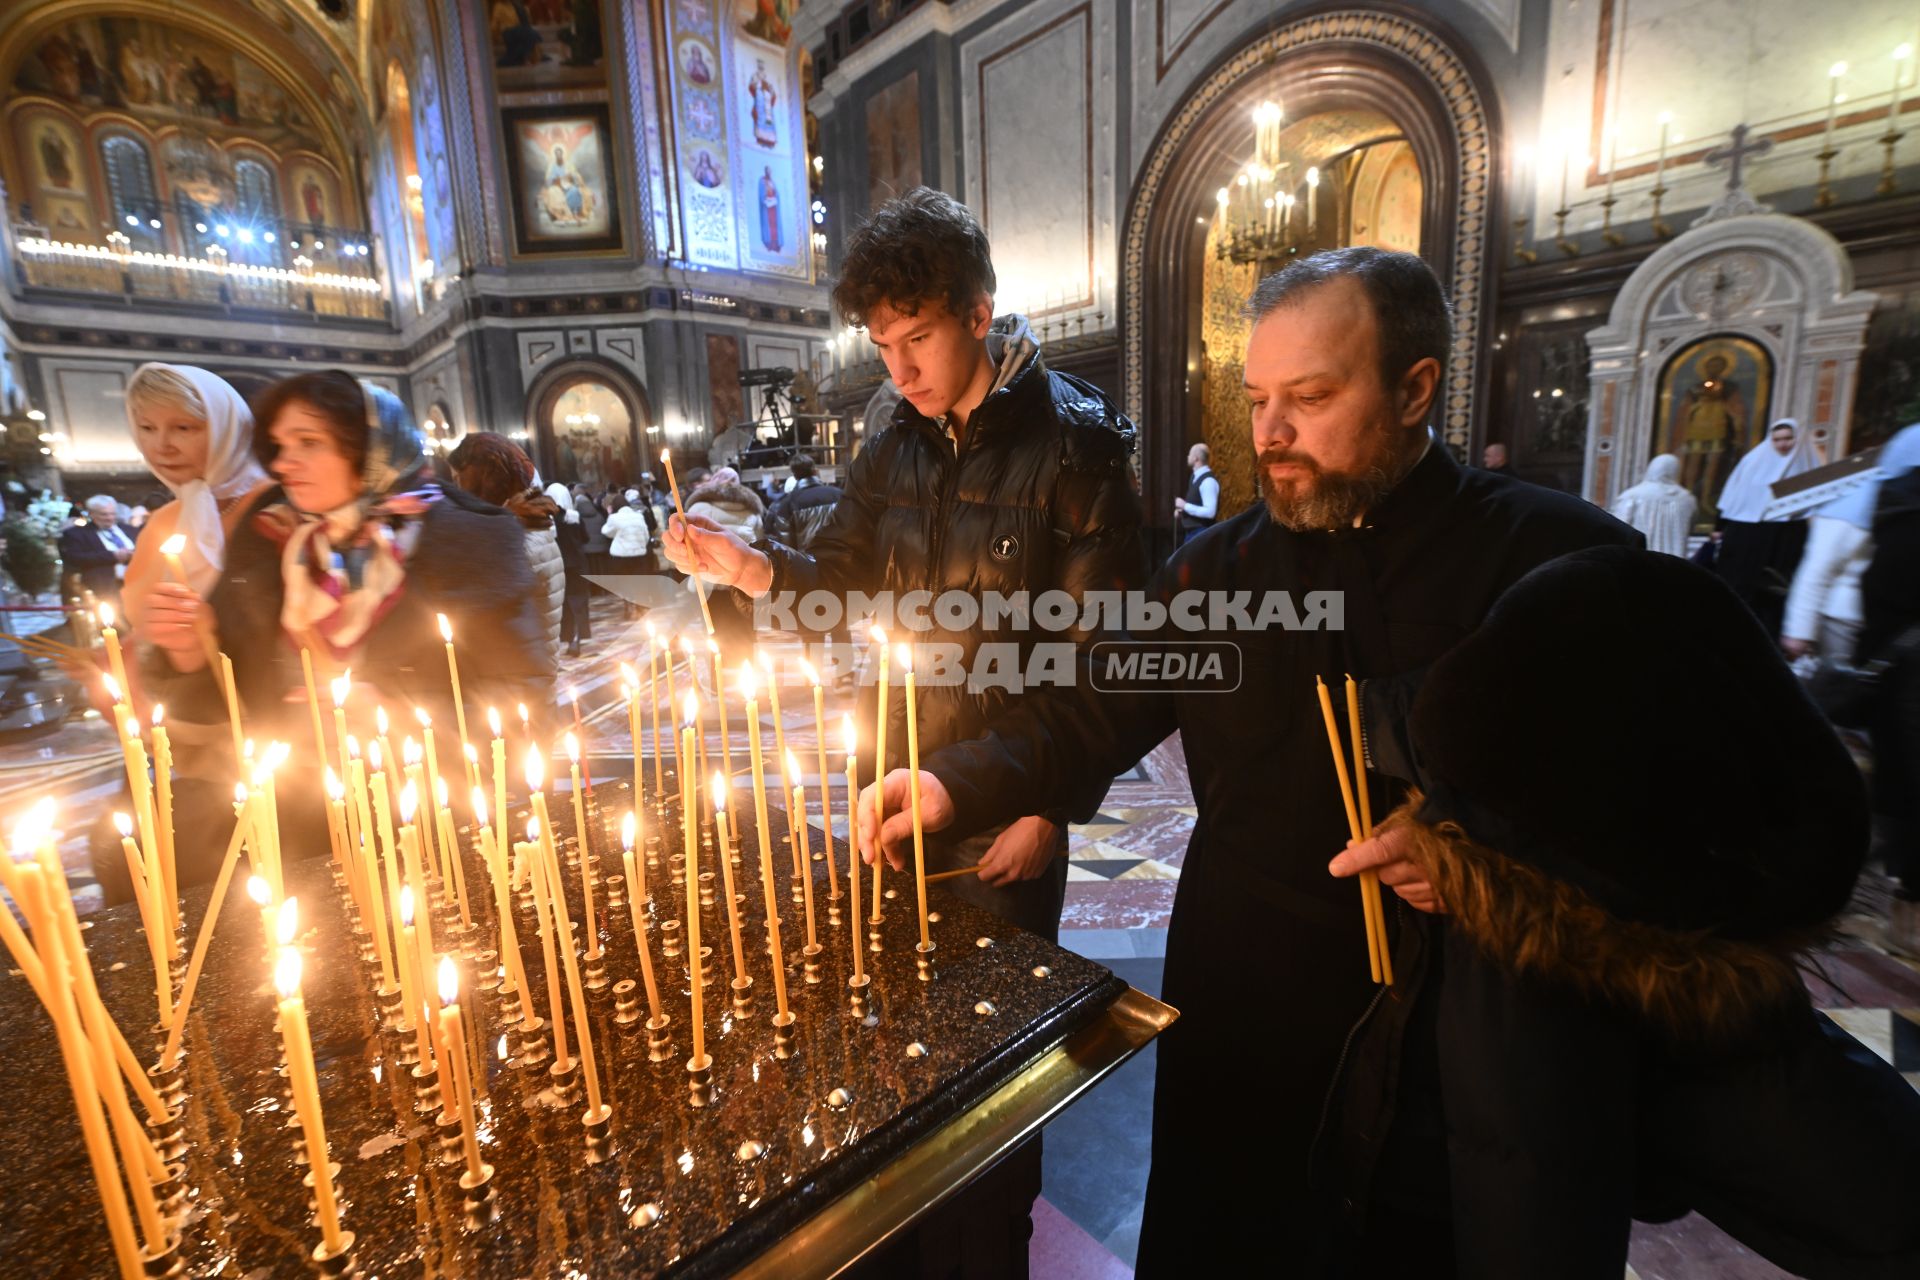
[167, 1262]
[1823, 190]
[923, 960]
[426, 1089]
[565, 1081]
[533, 1042]
[700, 1081]
[626, 1005]
[873, 933]
[783, 1025]
[742, 988]
[659, 1039]
[446, 1127]
[859, 997]
[477, 1198]
[616, 892]
[595, 972]
[598, 1127]
[340, 1261]
[670, 939]
[810, 969]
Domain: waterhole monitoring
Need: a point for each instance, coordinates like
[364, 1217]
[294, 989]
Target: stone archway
[1328, 61]
[543, 403]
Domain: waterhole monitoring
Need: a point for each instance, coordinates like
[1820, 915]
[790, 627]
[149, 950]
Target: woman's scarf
[232, 472]
[344, 569]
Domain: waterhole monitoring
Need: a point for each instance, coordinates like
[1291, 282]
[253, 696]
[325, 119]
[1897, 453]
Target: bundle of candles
[434, 904]
[1359, 822]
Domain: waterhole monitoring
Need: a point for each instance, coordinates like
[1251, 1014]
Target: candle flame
[409, 802]
[341, 685]
[627, 675]
[34, 826]
[471, 752]
[749, 682]
[257, 890]
[446, 628]
[648, 624]
[500, 1046]
[132, 728]
[627, 825]
[409, 752]
[374, 761]
[174, 546]
[246, 749]
[239, 793]
[663, 455]
[106, 614]
[793, 769]
[573, 748]
[878, 635]
[903, 654]
[113, 687]
[380, 721]
[406, 904]
[533, 830]
[123, 824]
[493, 720]
[848, 735]
[426, 721]
[686, 647]
[287, 925]
[521, 707]
[765, 662]
[353, 747]
[159, 714]
[692, 704]
[536, 768]
[713, 646]
[449, 981]
[813, 676]
[277, 753]
[480, 810]
[286, 973]
[335, 791]
[440, 792]
[719, 790]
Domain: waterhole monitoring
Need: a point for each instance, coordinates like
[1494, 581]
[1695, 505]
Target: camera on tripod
[774, 378]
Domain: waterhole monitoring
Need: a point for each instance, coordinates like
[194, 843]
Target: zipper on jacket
[940, 508]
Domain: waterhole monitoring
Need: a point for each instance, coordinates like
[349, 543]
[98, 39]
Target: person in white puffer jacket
[631, 535]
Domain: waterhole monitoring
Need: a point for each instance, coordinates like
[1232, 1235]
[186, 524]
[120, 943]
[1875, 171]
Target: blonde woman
[196, 435]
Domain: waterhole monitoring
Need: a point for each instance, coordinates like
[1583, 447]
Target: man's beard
[1323, 500]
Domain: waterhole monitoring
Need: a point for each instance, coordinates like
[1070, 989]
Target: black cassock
[1266, 954]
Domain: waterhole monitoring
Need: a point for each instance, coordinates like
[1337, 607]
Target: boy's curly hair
[921, 248]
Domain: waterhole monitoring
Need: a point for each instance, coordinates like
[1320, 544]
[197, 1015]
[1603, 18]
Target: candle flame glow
[471, 752]
[749, 682]
[878, 635]
[34, 826]
[106, 614]
[409, 752]
[335, 791]
[287, 925]
[426, 721]
[686, 647]
[123, 824]
[446, 628]
[286, 973]
[239, 793]
[132, 728]
[692, 704]
[627, 675]
[720, 788]
[903, 654]
[533, 830]
[521, 707]
[440, 792]
[663, 455]
[112, 686]
[257, 890]
[159, 714]
[627, 825]
[409, 802]
[373, 755]
[353, 747]
[493, 720]
[406, 904]
[793, 769]
[573, 748]
[341, 685]
[536, 768]
[449, 981]
[480, 809]
[848, 736]
[813, 676]
[380, 721]
[174, 546]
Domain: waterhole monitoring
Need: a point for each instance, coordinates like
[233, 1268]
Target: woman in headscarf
[729, 504]
[196, 435]
[350, 559]
[1757, 555]
[576, 623]
[1659, 507]
[494, 469]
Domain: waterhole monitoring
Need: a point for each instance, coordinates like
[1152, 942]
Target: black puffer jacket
[797, 518]
[1038, 497]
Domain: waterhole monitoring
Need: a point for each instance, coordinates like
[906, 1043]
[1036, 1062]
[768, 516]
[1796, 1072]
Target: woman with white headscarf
[1823, 608]
[196, 435]
[1758, 555]
[576, 612]
[1659, 507]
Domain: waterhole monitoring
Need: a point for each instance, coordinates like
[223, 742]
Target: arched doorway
[588, 422]
[1396, 99]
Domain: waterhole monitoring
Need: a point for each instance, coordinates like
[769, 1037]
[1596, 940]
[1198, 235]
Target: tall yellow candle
[880, 771]
[231, 688]
[826, 787]
[673, 700]
[499, 771]
[913, 793]
[413, 998]
[143, 816]
[773, 703]
[699, 583]
[116, 663]
[549, 944]
[313, 708]
[766, 846]
[697, 765]
[450, 845]
[179, 1023]
[453, 674]
[584, 845]
[143, 897]
[494, 853]
[583, 1031]
[376, 919]
[653, 698]
[630, 692]
[163, 827]
[853, 853]
[797, 819]
[720, 701]
[1370, 880]
[452, 1032]
[722, 789]
[443, 856]
[638, 910]
[688, 826]
[306, 1101]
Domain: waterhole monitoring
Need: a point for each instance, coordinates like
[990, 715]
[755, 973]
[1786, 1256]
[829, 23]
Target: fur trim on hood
[533, 509]
[1695, 987]
[734, 494]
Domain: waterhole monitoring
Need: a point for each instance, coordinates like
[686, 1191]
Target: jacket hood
[1699, 989]
[534, 509]
[1011, 347]
[727, 494]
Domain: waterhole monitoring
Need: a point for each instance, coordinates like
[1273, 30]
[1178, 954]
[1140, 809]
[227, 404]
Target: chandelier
[1254, 219]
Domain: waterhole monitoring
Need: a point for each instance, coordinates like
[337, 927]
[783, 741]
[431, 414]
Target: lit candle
[797, 820]
[432, 787]
[699, 1060]
[879, 774]
[913, 793]
[630, 692]
[636, 878]
[1660, 162]
[378, 920]
[412, 973]
[699, 583]
[499, 771]
[826, 790]
[115, 662]
[557, 903]
[453, 674]
[306, 1100]
[381, 724]
[142, 788]
[460, 1103]
[495, 856]
[143, 896]
[653, 698]
[544, 891]
[163, 822]
[1834, 73]
[853, 827]
[243, 800]
[584, 845]
[766, 847]
[450, 846]
[232, 690]
[720, 701]
[722, 789]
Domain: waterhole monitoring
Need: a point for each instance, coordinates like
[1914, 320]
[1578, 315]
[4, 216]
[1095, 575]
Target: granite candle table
[799, 1165]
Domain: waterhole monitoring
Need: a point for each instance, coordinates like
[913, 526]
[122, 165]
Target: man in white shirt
[1201, 507]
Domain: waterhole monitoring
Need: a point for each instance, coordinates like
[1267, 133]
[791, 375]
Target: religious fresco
[1713, 403]
[700, 123]
[558, 163]
[435, 170]
[769, 156]
[1225, 411]
[768, 20]
[1387, 193]
[592, 432]
[546, 44]
[163, 75]
[726, 402]
[58, 172]
[893, 140]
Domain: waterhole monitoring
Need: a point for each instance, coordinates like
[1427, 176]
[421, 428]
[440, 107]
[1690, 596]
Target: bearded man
[1266, 952]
